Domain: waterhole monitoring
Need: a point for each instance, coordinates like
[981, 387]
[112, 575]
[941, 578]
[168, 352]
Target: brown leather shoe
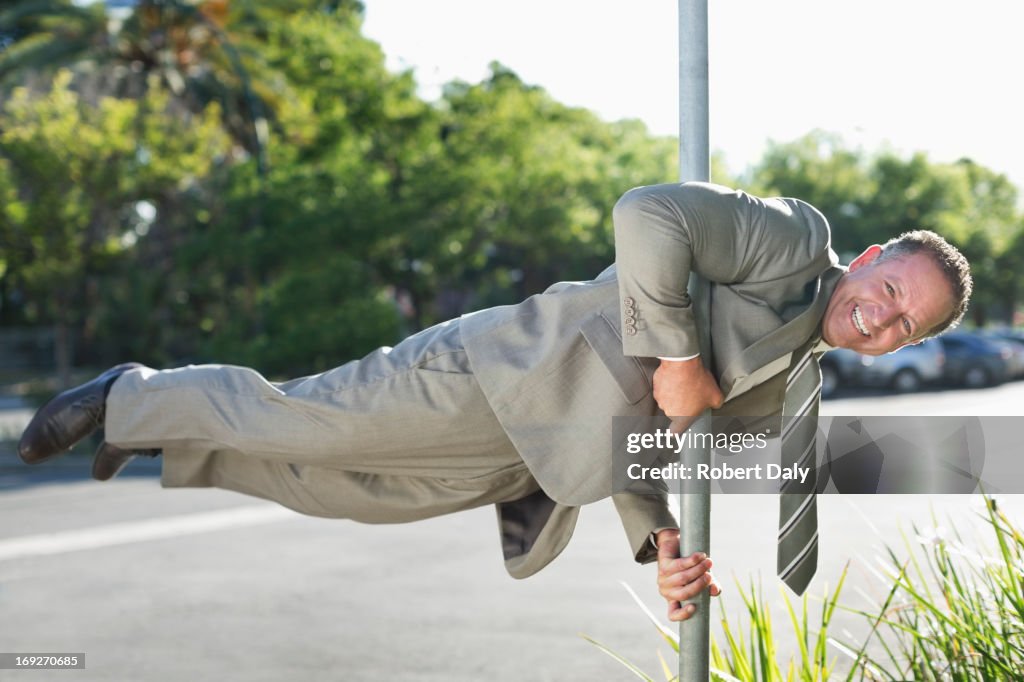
[110, 459]
[68, 418]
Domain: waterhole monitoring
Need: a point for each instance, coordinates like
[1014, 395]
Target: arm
[662, 233]
[642, 517]
[682, 579]
[654, 534]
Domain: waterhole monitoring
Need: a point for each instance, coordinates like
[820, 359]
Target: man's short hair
[951, 262]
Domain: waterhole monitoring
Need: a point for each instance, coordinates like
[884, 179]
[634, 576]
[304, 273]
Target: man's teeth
[858, 321]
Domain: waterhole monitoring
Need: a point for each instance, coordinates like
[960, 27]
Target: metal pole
[694, 164]
[694, 150]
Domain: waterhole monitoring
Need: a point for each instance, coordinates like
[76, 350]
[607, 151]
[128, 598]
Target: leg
[414, 410]
[330, 493]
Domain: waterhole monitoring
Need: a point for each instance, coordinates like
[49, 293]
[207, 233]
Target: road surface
[210, 585]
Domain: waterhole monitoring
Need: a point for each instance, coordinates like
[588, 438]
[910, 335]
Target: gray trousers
[400, 435]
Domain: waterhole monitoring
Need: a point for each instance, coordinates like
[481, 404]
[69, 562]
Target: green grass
[954, 611]
[950, 612]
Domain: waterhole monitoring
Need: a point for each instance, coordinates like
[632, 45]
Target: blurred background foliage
[246, 182]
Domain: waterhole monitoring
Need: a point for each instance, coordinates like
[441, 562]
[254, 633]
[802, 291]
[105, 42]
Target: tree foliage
[74, 177]
[183, 46]
[247, 182]
[872, 198]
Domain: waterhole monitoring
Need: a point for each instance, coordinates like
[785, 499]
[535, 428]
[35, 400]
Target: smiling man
[766, 297]
[513, 406]
[892, 296]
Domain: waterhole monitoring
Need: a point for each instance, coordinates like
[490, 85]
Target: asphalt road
[209, 585]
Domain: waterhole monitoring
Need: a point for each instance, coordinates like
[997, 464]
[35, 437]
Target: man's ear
[869, 255]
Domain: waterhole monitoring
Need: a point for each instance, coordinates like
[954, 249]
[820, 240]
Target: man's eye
[906, 325]
[888, 287]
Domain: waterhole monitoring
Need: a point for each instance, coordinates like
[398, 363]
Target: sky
[936, 76]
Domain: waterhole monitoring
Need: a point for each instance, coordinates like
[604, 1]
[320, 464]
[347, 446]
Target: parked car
[905, 370]
[1015, 342]
[974, 361]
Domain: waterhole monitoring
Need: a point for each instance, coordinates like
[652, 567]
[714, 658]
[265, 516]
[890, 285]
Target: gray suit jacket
[703, 268]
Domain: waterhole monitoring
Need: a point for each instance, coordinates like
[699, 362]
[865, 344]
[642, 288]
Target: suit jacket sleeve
[643, 515]
[665, 232]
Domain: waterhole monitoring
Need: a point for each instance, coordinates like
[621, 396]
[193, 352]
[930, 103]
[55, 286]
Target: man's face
[877, 308]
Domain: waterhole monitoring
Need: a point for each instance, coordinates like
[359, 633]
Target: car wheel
[976, 377]
[906, 381]
[829, 381]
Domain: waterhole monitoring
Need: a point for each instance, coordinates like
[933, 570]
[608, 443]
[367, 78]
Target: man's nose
[885, 315]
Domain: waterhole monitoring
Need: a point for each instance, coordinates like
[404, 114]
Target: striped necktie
[798, 510]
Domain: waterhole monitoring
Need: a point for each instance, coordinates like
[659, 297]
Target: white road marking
[140, 531]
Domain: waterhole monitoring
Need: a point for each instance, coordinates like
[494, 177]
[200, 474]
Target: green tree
[872, 199]
[73, 175]
[182, 45]
[820, 170]
[301, 289]
[538, 183]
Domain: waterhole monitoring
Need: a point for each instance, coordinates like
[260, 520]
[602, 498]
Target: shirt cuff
[652, 539]
[689, 357]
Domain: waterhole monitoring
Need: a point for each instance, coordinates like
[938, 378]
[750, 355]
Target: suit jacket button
[630, 314]
[629, 302]
[631, 330]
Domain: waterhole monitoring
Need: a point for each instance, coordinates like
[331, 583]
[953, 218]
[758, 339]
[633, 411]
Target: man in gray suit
[513, 405]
